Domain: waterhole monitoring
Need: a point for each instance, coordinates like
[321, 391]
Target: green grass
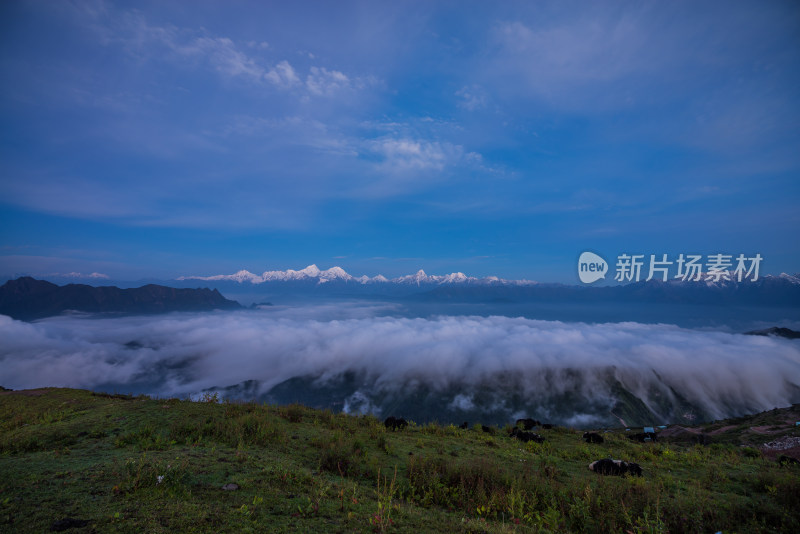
[134, 464]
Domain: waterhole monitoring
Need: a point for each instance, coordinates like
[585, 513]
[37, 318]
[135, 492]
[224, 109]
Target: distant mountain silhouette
[27, 298]
[776, 331]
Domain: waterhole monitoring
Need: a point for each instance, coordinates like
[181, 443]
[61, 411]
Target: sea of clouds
[183, 354]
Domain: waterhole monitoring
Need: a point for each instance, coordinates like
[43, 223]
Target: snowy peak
[313, 273]
[455, 277]
[335, 272]
[419, 278]
[792, 279]
[240, 276]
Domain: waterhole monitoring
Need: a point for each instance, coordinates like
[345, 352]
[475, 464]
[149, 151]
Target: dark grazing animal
[643, 437]
[395, 423]
[527, 423]
[606, 466]
[788, 460]
[487, 429]
[592, 437]
[464, 425]
[634, 469]
[546, 426]
[525, 436]
[67, 523]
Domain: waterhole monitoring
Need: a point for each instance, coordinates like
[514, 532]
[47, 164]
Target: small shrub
[341, 456]
[144, 474]
[750, 452]
[384, 445]
[292, 413]
[145, 439]
[434, 429]
[382, 519]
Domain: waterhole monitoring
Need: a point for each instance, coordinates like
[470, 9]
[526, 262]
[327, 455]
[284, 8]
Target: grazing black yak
[607, 466]
[487, 429]
[634, 469]
[788, 460]
[524, 436]
[592, 437]
[464, 425]
[527, 423]
[395, 423]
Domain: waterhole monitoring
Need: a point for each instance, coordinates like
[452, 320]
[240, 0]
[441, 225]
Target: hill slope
[103, 463]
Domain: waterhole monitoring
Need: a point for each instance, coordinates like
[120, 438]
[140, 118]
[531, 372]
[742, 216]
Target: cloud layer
[182, 354]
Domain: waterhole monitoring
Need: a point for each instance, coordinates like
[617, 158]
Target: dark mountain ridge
[27, 298]
[777, 331]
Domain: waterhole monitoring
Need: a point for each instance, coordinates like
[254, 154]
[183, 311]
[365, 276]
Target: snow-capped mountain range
[313, 273]
[768, 290]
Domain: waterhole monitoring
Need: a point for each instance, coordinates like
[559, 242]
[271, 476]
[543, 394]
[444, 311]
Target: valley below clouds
[363, 358]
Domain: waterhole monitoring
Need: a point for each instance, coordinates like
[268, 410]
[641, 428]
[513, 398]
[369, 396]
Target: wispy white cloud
[283, 75]
[321, 81]
[415, 154]
[74, 274]
[263, 45]
[382, 166]
[231, 60]
[571, 62]
[51, 191]
[225, 56]
[292, 130]
[402, 166]
[581, 49]
[415, 146]
[472, 97]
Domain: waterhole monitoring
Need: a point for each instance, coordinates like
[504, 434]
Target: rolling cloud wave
[183, 354]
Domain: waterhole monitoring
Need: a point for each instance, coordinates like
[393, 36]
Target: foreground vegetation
[115, 463]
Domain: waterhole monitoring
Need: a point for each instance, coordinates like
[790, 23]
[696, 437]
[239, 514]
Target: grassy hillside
[115, 463]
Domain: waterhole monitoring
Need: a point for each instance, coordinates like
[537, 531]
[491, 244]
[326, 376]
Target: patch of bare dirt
[677, 430]
[721, 430]
[766, 429]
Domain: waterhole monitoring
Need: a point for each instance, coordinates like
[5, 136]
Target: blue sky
[159, 139]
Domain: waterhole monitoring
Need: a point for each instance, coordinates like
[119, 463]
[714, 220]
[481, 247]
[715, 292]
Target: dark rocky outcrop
[778, 331]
